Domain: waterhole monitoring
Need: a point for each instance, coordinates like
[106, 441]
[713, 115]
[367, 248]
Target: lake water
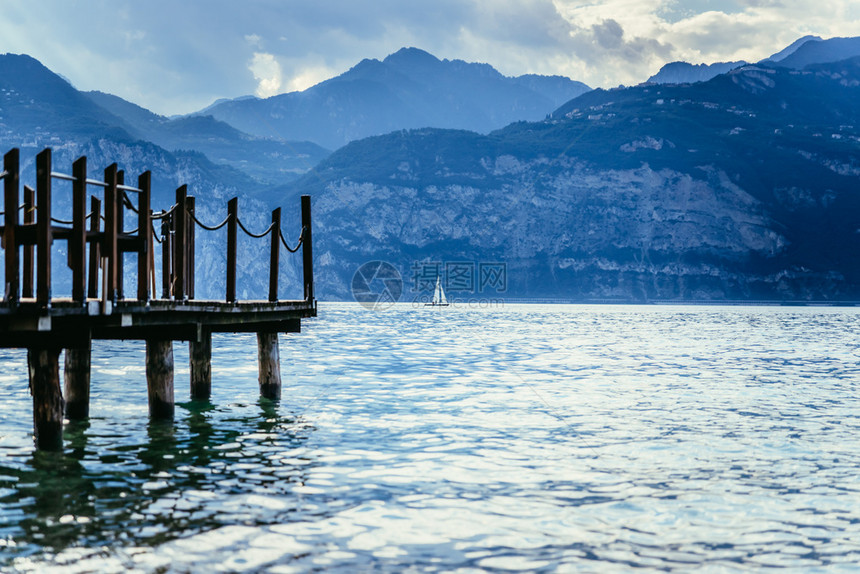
[523, 438]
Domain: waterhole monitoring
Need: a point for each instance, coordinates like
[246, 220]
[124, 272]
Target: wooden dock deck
[100, 308]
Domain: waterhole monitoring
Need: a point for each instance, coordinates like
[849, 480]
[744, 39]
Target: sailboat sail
[438, 295]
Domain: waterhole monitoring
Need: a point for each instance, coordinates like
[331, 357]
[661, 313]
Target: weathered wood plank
[144, 226]
[10, 208]
[29, 250]
[95, 249]
[44, 237]
[275, 254]
[78, 239]
[232, 231]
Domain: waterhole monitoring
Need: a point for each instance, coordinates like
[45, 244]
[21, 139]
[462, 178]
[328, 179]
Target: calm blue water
[523, 438]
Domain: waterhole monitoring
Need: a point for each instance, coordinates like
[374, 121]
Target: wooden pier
[100, 306]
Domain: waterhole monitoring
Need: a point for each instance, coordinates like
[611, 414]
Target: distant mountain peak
[792, 48]
[410, 88]
[685, 73]
[411, 55]
[823, 51]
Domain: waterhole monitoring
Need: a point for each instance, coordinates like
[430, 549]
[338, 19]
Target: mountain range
[408, 89]
[800, 53]
[741, 186]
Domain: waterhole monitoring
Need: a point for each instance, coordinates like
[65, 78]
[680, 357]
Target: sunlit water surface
[523, 438]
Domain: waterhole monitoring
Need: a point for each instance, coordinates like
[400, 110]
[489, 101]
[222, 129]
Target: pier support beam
[76, 375]
[200, 358]
[47, 397]
[269, 365]
[159, 378]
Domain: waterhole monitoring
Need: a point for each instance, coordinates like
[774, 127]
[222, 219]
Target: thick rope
[299, 244]
[155, 234]
[254, 235]
[127, 202]
[207, 227]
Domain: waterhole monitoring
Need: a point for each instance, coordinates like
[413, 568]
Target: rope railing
[299, 244]
[207, 227]
[127, 203]
[155, 235]
[97, 242]
[255, 235]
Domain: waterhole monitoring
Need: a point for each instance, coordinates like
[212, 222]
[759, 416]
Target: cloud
[304, 78]
[147, 53]
[267, 72]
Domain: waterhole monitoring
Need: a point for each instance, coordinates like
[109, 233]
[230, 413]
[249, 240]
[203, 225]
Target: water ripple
[526, 438]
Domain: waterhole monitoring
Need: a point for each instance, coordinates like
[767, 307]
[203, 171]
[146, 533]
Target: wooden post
[95, 250]
[29, 250]
[274, 260]
[307, 249]
[159, 378]
[180, 244]
[166, 278]
[111, 227]
[44, 236]
[47, 397]
[144, 234]
[200, 359]
[120, 229]
[232, 230]
[78, 240]
[76, 376]
[10, 207]
[190, 233]
[269, 365]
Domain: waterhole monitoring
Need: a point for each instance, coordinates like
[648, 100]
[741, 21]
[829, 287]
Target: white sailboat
[439, 299]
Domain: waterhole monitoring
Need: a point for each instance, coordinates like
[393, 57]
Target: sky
[176, 57]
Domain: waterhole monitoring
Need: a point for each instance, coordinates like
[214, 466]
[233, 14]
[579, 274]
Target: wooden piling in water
[76, 378]
[44, 369]
[269, 365]
[200, 359]
[159, 378]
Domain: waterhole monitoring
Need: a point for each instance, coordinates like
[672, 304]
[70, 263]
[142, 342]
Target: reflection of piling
[106, 307]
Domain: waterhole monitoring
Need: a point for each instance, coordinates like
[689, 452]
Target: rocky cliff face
[739, 188]
[562, 229]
